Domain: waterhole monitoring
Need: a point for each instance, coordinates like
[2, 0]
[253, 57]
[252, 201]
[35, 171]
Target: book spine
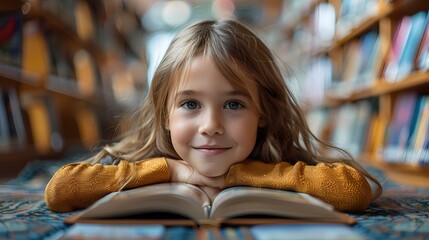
[406, 61]
[4, 123]
[11, 27]
[401, 34]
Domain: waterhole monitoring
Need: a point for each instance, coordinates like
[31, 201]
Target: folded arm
[338, 184]
[78, 185]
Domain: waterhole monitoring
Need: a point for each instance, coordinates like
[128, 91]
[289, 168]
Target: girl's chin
[211, 173]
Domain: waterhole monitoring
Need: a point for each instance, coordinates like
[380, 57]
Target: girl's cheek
[181, 132]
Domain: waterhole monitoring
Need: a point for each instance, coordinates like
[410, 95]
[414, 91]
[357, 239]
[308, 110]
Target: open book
[181, 204]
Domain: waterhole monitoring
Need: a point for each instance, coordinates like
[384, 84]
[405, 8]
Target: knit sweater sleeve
[338, 184]
[76, 186]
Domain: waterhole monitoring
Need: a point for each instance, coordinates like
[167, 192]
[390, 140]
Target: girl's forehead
[202, 66]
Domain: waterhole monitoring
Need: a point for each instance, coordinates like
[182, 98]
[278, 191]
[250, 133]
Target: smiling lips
[211, 150]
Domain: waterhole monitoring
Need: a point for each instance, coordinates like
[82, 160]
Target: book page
[178, 198]
[242, 201]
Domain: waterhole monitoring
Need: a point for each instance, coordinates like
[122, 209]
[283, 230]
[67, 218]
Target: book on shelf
[62, 71]
[349, 74]
[356, 65]
[65, 10]
[424, 156]
[12, 128]
[35, 53]
[324, 25]
[352, 13]
[371, 59]
[317, 78]
[406, 41]
[423, 53]
[4, 125]
[400, 127]
[402, 32]
[375, 134]
[415, 146]
[84, 20]
[186, 204]
[351, 129]
[406, 62]
[11, 27]
[85, 71]
[88, 126]
[408, 131]
[44, 123]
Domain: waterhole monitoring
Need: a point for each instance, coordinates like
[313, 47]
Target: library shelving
[370, 58]
[56, 78]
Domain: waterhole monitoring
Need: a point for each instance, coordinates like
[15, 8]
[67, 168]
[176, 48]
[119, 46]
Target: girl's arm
[78, 185]
[338, 184]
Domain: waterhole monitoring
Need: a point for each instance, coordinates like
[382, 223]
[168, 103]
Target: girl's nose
[212, 124]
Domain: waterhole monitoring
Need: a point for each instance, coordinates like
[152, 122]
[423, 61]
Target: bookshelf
[56, 71]
[371, 65]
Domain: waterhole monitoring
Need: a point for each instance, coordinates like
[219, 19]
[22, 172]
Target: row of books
[31, 117]
[56, 62]
[347, 126]
[40, 53]
[51, 58]
[342, 73]
[355, 67]
[404, 51]
[407, 135]
[360, 63]
[10, 37]
[12, 131]
[353, 12]
[16, 111]
[327, 22]
[79, 15]
[358, 128]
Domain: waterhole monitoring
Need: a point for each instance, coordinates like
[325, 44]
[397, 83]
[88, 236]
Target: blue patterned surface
[400, 213]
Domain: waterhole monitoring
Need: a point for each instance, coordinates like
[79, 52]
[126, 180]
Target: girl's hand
[181, 171]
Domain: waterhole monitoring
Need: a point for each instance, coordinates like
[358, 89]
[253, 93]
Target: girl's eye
[234, 105]
[190, 105]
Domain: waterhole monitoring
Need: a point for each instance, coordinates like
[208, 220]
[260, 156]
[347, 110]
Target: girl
[218, 114]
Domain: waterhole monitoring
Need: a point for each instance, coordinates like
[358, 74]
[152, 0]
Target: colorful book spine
[406, 61]
[423, 57]
[398, 130]
[400, 38]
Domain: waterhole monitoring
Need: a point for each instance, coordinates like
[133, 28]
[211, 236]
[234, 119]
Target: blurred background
[71, 69]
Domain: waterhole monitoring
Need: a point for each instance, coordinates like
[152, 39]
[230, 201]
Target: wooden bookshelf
[347, 87]
[54, 22]
[56, 112]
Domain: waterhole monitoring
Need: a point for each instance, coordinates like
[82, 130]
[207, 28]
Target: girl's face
[212, 124]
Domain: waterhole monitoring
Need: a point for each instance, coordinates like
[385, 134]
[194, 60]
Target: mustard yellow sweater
[78, 185]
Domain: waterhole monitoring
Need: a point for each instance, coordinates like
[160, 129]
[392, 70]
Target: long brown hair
[235, 49]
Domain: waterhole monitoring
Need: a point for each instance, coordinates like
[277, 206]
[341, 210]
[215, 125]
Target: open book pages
[182, 199]
[236, 205]
[240, 201]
